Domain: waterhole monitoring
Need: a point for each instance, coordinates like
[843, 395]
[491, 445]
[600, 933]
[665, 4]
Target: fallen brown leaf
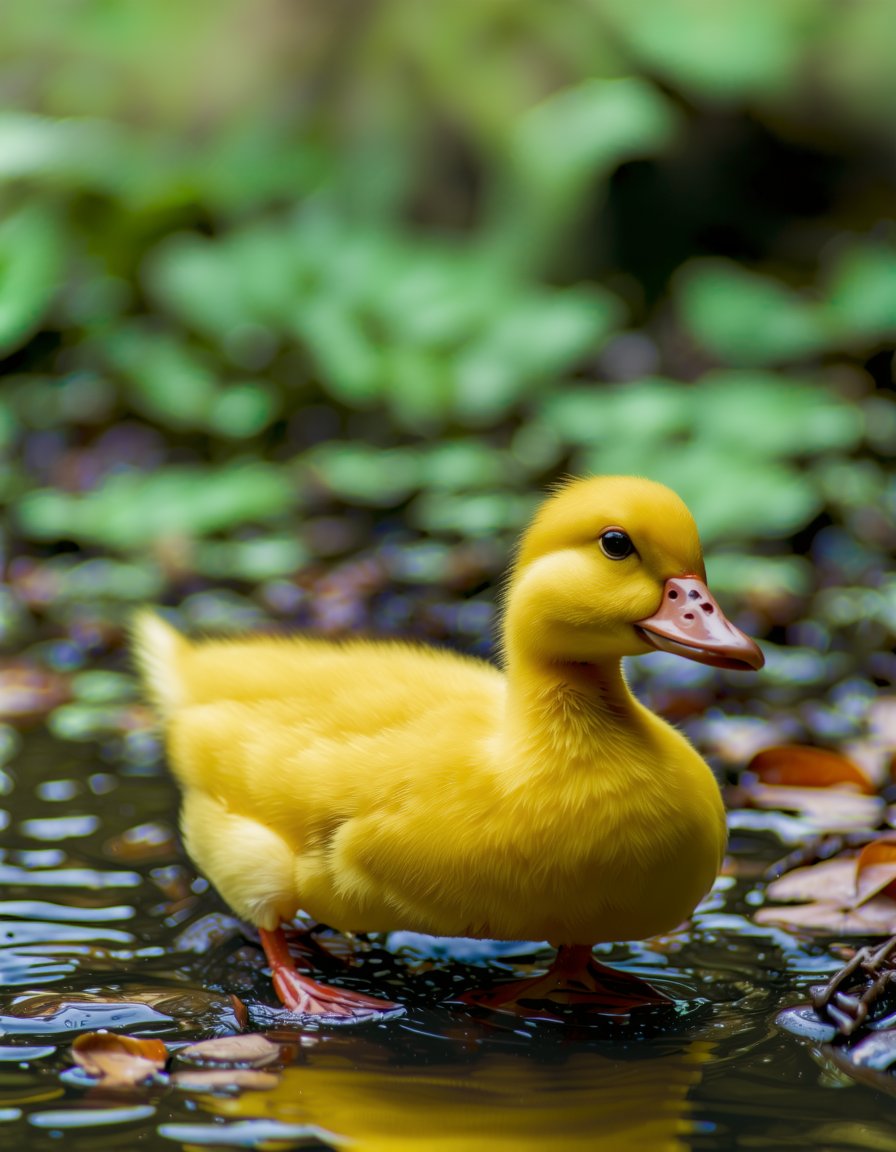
[823, 809]
[833, 881]
[212, 1079]
[845, 895]
[876, 918]
[119, 1061]
[876, 870]
[249, 1048]
[864, 1072]
[801, 766]
[28, 693]
[142, 843]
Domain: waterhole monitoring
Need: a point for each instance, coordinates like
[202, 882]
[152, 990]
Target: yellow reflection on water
[500, 1101]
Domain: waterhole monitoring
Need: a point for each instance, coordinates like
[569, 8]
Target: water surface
[103, 923]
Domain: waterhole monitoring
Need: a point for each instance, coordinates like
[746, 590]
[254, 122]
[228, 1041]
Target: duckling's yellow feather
[382, 785]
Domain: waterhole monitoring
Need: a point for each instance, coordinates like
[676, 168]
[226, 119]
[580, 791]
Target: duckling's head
[612, 566]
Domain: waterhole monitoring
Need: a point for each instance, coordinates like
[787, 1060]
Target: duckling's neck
[560, 712]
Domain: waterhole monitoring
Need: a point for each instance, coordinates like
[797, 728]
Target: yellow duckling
[382, 785]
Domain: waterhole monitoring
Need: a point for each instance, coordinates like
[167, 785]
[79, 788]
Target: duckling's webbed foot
[575, 981]
[304, 996]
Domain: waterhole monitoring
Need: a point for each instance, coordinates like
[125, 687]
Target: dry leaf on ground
[876, 870]
[827, 791]
[119, 1061]
[250, 1049]
[822, 809]
[876, 918]
[802, 766]
[28, 693]
[850, 894]
[214, 1079]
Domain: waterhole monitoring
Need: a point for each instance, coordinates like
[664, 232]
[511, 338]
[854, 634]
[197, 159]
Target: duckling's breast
[619, 855]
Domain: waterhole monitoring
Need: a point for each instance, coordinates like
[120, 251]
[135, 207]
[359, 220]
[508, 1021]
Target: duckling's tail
[159, 652]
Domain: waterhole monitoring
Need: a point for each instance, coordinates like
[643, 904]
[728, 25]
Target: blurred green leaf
[32, 251]
[190, 276]
[82, 153]
[539, 337]
[736, 497]
[474, 514]
[100, 686]
[461, 465]
[131, 510]
[440, 294]
[418, 388]
[744, 318]
[735, 49]
[852, 484]
[725, 443]
[263, 558]
[740, 573]
[765, 415]
[860, 302]
[732, 495]
[242, 411]
[104, 578]
[581, 133]
[167, 380]
[624, 416]
[363, 474]
[350, 363]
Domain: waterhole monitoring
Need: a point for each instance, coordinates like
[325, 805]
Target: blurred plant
[432, 227]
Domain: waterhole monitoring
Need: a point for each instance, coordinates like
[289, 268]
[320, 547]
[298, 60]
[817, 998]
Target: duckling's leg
[254, 870]
[300, 994]
[574, 980]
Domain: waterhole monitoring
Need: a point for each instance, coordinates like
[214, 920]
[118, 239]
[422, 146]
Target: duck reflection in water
[504, 1102]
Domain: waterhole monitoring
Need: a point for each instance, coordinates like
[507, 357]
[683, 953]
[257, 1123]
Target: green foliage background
[427, 257]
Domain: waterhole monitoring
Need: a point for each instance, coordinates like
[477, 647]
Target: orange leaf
[876, 918]
[828, 881]
[876, 871]
[119, 1061]
[801, 766]
[248, 1048]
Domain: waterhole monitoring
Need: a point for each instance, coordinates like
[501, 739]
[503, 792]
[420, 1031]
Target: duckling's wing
[342, 779]
[364, 829]
[348, 685]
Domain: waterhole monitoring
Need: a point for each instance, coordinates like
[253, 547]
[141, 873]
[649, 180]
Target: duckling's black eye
[616, 545]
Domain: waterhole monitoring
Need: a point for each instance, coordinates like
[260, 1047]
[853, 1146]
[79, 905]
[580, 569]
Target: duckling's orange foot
[306, 997]
[575, 983]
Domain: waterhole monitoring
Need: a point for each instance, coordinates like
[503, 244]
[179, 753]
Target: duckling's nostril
[694, 594]
[689, 615]
[707, 607]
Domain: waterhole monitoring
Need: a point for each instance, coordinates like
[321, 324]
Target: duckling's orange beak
[690, 623]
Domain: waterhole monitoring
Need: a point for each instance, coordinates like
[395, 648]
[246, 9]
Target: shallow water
[95, 910]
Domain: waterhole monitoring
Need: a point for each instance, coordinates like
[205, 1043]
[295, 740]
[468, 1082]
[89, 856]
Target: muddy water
[103, 923]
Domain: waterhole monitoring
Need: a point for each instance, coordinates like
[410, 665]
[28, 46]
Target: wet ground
[104, 924]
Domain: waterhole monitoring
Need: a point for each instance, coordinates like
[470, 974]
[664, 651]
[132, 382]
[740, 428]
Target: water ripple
[13, 932]
[59, 827]
[44, 910]
[69, 878]
[88, 1117]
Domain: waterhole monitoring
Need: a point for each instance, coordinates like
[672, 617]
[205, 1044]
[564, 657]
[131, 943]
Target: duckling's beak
[690, 623]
